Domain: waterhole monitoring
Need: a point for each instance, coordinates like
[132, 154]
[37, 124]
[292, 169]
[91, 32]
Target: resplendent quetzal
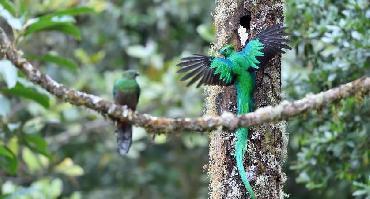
[237, 68]
[126, 91]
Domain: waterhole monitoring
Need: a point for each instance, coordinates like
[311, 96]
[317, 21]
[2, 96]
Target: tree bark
[267, 143]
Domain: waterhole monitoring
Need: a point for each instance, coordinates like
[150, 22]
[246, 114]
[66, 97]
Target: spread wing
[206, 70]
[265, 45]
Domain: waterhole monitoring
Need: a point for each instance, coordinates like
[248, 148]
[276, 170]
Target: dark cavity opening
[245, 21]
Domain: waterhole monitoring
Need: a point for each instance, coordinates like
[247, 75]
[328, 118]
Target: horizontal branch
[282, 111]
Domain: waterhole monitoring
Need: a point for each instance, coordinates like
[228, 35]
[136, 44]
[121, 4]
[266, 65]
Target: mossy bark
[267, 143]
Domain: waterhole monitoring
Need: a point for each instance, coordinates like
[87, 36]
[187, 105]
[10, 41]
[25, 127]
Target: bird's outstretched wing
[206, 70]
[265, 45]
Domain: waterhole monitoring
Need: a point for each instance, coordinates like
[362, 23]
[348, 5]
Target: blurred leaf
[44, 188]
[61, 61]
[35, 162]
[86, 58]
[99, 5]
[9, 6]
[97, 57]
[47, 24]
[13, 145]
[76, 195]
[37, 143]
[82, 56]
[70, 12]
[54, 188]
[5, 106]
[9, 73]
[8, 161]
[362, 189]
[23, 7]
[206, 32]
[29, 93]
[67, 167]
[33, 125]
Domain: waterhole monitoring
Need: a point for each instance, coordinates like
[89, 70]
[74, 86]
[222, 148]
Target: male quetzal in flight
[126, 91]
[237, 68]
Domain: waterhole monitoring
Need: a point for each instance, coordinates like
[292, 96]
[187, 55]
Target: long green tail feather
[240, 148]
[244, 89]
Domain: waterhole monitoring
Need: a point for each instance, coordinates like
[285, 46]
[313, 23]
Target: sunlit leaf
[69, 168]
[34, 161]
[13, 145]
[28, 93]
[54, 188]
[47, 25]
[8, 161]
[9, 73]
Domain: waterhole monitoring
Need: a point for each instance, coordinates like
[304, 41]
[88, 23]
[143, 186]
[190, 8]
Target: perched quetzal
[237, 68]
[126, 91]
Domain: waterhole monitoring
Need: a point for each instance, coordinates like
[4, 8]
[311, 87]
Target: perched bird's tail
[241, 143]
[124, 138]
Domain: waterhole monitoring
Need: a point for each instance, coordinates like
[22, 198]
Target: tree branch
[282, 111]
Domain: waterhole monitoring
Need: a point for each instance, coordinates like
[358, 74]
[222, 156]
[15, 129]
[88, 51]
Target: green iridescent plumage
[126, 91]
[237, 68]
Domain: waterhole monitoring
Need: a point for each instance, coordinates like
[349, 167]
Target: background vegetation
[50, 149]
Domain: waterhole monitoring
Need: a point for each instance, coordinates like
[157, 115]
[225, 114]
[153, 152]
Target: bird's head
[130, 74]
[226, 50]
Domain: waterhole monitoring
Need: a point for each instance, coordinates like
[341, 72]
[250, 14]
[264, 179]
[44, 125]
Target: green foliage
[363, 190]
[51, 142]
[68, 12]
[36, 143]
[58, 60]
[44, 188]
[49, 24]
[332, 145]
[8, 160]
[21, 90]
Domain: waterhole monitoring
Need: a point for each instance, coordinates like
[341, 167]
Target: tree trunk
[267, 143]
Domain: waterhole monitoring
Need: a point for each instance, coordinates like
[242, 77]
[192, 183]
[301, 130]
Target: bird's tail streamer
[240, 148]
[124, 138]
